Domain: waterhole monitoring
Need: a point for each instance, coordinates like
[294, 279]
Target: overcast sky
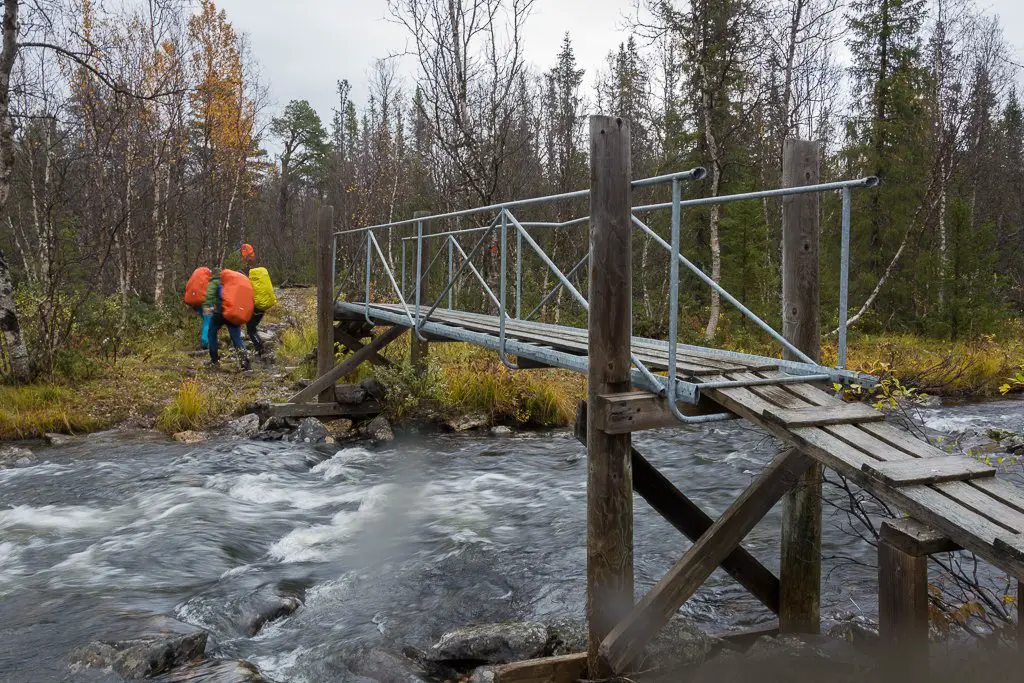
[305, 46]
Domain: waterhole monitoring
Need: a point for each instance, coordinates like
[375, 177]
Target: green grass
[34, 410]
[191, 408]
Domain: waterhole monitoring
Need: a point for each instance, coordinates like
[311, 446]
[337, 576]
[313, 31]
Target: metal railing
[504, 220]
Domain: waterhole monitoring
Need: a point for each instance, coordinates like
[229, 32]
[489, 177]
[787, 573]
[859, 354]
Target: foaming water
[396, 544]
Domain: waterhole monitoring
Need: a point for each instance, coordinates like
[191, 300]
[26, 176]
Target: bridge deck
[974, 508]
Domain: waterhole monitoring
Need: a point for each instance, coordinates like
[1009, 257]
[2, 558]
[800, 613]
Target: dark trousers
[250, 330]
[234, 331]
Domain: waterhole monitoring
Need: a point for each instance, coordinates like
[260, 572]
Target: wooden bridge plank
[970, 530]
[929, 470]
[562, 669]
[822, 416]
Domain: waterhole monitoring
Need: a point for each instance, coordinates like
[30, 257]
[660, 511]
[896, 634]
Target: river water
[396, 544]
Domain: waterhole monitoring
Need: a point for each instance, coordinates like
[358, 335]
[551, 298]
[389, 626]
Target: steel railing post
[519, 275]
[502, 289]
[369, 266]
[844, 278]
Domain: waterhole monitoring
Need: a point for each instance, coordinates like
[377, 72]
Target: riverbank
[161, 381]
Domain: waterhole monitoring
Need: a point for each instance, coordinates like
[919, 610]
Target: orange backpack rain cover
[235, 297]
[195, 288]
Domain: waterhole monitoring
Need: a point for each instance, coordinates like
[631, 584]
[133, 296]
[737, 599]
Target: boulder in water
[492, 643]
[501, 430]
[13, 456]
[217, 671]
[386, 667]
[191, 436]
[379, 429]
[243, 615]
[349, 394]
[311, 430]
[340, 428]
[142, 657]
[55, 439]
[464, 423]
[244, 427]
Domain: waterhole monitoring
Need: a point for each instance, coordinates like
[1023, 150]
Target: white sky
[305, 46]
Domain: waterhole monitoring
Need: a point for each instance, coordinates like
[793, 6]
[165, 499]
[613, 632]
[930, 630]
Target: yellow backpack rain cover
[262, 289]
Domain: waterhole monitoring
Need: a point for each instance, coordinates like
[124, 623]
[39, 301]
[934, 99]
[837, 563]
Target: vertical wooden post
[419, 350]
[903, 608]
[325, 298]
[800, 570]
[609, 472]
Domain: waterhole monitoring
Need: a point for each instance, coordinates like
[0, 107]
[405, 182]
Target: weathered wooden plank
[563, 669]
[627, 640]
[690, 520]
[903, 608]
[928, 470]
[851, 413]
[976, 500]
[914, 538]
[325, 299]
[636, 411]
[609, 470]
[1011, 544]
[353, 345]
[365, 409]
[328, 380]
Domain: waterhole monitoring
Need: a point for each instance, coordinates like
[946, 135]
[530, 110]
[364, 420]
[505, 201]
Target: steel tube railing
[723, 293]
[844, 277]
[391, 276]
[451, 280]
[502, 286]
[869, 181]
[558, 286]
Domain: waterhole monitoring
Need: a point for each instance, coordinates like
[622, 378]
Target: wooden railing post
[325, 298]
[419, 350]
[609, 472]
[800, 568]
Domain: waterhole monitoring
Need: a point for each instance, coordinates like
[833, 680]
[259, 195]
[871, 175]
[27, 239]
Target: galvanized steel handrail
[670, 386]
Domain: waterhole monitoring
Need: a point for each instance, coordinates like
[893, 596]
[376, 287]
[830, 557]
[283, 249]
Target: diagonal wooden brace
[348, 365]
[627, 640]
[353, 345]
[691, 521]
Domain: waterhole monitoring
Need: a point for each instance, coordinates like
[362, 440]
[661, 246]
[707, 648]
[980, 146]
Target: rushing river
[396, 544]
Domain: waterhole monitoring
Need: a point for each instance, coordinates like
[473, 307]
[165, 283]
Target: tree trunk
[10, 329]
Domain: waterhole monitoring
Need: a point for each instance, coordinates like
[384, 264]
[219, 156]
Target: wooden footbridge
[952, 502]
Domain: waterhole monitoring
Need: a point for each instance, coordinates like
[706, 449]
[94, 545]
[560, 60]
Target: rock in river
[379, 429]
[241, 615]
[464, 423]
[142, 657]
[58, 439]
[191, 436]
[217, 671]
[311, 430]
[13, 456]
[244, 427]
[492, 643]
[386, 667]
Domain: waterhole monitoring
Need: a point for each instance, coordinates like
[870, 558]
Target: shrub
[189, 409]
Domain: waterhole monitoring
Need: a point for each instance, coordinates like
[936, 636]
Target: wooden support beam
[365, 409]
[564, 669]
[903, 608]
[915, 538]
[609, 473]
[635, 411]
[628, 639]
[325, 298]
[353, 345]
[929, 470]
[800, 565]
[690, 520]
[419, 350]
[327, 381]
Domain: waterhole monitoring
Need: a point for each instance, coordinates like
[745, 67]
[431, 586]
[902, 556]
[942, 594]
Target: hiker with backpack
[263, 296]
[229, 302]
[195, 295]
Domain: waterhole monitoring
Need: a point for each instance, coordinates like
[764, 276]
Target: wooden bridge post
[419, 350]
[325, 299]
[609, 470]
[800, 568]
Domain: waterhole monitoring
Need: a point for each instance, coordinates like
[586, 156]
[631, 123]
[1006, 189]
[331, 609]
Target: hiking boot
[243, 358]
